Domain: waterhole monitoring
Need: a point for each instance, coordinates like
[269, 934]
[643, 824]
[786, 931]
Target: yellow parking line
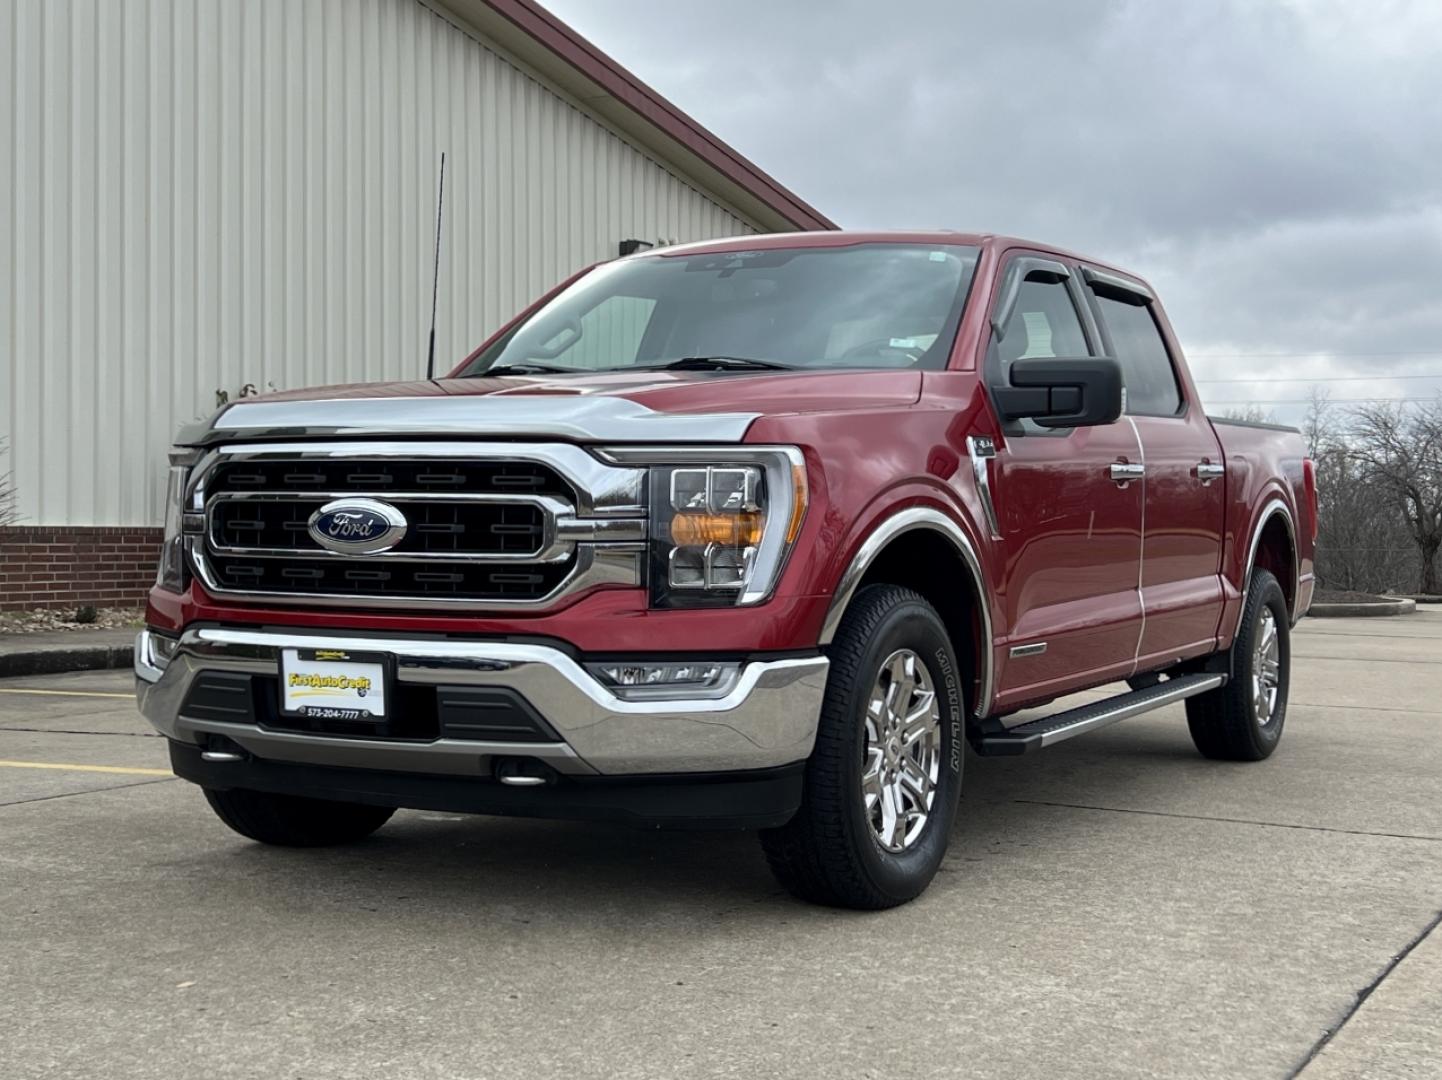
[84, 768]
[70, 693]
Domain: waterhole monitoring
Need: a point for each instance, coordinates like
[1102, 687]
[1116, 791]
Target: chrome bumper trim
[768, 719]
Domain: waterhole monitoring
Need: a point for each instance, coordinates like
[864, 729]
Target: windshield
[862, 306]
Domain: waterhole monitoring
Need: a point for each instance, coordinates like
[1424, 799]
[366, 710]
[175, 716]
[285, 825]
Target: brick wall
[66, 566]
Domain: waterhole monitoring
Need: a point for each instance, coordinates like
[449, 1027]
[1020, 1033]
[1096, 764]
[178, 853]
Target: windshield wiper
[722, 363]
[522, 369]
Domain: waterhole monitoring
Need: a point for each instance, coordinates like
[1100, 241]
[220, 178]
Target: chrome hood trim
[573, 418]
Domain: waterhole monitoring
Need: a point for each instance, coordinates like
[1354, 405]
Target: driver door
[1070, 525]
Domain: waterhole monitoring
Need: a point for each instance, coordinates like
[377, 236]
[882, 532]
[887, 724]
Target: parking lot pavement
[1113, 907]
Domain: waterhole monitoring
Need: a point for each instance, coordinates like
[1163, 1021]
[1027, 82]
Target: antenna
[436, 275]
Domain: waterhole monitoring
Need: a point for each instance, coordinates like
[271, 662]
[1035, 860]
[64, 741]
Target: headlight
[171, 573]
[722, 522]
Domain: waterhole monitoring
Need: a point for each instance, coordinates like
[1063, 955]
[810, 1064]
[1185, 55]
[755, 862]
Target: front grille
[435, 528]
[481, 529]
[498, 525]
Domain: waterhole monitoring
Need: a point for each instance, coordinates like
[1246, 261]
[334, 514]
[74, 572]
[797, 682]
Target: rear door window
[1147, 372]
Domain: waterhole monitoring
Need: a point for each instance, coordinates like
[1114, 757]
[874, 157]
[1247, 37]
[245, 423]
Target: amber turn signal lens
[798, 503]
[731, 530]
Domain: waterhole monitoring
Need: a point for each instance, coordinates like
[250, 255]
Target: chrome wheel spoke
[922, 719]
[903, 679]
[918, 783]
[890, 815]
[1266, 668]
[902, 752]
[871, 778]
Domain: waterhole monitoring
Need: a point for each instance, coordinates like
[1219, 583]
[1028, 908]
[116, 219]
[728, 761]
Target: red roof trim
[539, 24]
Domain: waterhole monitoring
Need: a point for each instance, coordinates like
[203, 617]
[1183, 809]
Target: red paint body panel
[1114, 579]
[1072, 540]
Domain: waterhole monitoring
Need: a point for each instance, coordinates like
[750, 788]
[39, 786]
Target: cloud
[1274, 168]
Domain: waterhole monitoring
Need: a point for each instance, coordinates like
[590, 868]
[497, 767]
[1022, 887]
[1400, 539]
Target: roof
[542, 41]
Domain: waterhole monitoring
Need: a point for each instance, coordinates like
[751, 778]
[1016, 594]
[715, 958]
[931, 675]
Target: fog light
[639, 680]
[153, 653]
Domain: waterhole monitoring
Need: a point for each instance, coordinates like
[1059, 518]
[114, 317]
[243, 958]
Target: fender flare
[898, 524]
[1271, 508]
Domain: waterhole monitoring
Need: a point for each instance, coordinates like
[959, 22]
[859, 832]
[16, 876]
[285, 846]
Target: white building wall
[202, 194]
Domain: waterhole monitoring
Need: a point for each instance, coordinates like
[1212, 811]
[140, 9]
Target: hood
[670, 406]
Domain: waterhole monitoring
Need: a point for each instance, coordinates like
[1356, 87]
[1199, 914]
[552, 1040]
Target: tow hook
[523, 772]
[220, 749]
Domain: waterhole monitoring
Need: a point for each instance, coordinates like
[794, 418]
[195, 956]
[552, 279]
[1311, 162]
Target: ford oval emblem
[357, 526]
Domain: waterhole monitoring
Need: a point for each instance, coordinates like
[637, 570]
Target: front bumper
[767, 720]
[753, 799]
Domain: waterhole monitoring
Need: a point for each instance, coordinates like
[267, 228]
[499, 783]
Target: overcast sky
[1273, 168]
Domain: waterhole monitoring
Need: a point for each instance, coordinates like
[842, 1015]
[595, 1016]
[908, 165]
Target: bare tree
[1319, 425]
[1250, 414]
[1399, 450]
[1362, 542]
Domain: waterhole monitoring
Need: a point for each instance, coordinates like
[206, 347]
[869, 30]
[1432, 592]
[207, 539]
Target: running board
[1058, 727]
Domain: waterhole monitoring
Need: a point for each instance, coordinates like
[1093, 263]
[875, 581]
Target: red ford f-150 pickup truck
[751, 533]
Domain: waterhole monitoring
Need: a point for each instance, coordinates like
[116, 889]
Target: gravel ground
[48, 621]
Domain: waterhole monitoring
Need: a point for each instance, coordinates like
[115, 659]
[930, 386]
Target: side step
[1058, 727]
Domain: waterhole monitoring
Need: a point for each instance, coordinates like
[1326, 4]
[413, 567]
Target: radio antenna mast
[436, 275]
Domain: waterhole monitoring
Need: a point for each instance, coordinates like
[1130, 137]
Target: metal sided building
[201, 196]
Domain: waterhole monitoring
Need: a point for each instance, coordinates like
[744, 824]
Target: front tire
[882, 785]
[294, 821]
[1242, 721]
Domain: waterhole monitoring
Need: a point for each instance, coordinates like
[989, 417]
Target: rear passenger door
[1183, 485]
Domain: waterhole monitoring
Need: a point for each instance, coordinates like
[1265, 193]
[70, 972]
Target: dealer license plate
[332, 684]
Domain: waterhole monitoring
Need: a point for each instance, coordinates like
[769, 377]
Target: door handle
[1206, 472]
[1124, 473]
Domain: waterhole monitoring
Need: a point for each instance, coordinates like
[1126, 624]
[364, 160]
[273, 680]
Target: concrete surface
[1392, 605]
[1113, 907]
[65, 650]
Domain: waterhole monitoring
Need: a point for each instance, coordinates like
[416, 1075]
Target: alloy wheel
[1266, 669]
[903, 751]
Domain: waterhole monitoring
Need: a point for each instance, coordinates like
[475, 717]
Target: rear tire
[1242, 721]
[882, 785]
[294, 821]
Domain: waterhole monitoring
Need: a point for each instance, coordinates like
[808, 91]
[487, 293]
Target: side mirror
[1062, 392]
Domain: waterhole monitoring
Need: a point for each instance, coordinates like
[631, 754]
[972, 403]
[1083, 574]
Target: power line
[1323, 378]
[1328, 401]
[1433, 355]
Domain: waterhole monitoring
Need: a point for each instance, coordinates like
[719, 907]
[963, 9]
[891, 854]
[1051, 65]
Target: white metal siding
[206, 193]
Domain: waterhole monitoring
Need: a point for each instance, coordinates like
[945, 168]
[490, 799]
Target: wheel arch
[1273, 548]
[908, 548]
